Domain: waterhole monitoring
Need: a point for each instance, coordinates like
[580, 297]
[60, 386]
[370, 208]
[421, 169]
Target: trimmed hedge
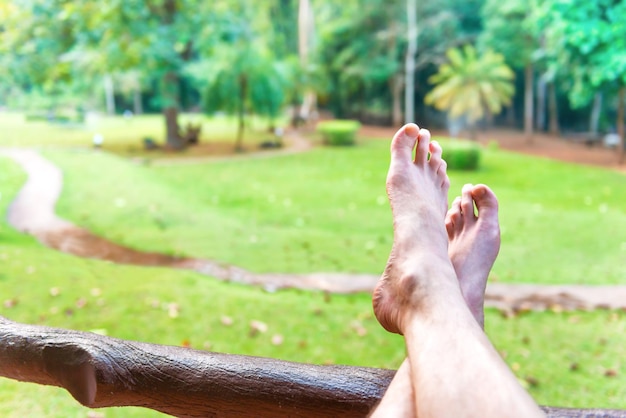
[338, 132]
[461, 155]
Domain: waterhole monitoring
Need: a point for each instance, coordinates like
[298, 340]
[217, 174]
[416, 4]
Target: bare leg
[474, 243]
[454, 369]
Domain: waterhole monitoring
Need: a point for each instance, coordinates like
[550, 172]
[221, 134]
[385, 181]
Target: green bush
[461, 155]
[338, 132]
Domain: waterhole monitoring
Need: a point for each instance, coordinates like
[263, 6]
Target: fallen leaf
[10, 303]
[257, 327]
[173, 310]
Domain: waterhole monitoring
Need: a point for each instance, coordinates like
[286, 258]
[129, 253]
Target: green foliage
[362, 47]
[587, 40]
[338, 132]
[462, 155]
[510, 29]
[471, 85]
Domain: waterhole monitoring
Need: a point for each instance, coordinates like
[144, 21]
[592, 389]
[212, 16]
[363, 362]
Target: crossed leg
[452, 368]
[473, 245]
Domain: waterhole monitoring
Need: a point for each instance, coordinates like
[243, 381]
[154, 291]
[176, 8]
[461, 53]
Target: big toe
[486, 202]
[403, 142]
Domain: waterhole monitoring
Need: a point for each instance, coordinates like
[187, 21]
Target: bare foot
[417, 189]
[474, 242]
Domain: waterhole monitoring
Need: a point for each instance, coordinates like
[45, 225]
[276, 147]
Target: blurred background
[255, 134]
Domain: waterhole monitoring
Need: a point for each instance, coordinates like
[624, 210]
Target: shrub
[338, 132]
[461, 155]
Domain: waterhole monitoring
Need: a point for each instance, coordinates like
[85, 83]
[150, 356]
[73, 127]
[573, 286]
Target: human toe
[486, 201]
[403, 142]
[467, 202]
[454, 220]
[423, 145]
[435, 153]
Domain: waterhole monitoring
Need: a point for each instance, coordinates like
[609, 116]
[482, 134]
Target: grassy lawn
[326, 211]
[125, 136]
[320, 211]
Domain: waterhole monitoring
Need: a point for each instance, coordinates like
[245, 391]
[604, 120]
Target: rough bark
[101, 371]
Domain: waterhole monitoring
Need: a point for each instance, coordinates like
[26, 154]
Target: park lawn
[124, 136]
[567, 359]
[326, 210]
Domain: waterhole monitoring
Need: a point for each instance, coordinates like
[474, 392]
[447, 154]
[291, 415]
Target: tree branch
[101, 371]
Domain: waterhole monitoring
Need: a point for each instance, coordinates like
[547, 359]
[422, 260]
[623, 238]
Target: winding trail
[33, 212]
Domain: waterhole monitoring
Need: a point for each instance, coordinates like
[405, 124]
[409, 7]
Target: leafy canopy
[471, 85]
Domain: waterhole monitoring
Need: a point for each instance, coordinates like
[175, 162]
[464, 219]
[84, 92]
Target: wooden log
[100, 371]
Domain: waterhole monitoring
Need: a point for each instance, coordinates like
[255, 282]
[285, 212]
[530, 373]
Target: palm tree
[471, 85]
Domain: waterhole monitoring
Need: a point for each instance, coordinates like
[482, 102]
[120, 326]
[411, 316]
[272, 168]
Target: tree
[589, 40]
[411, 51]
[61, 41]
[363, 47]
[471, 85]
[509, 28]
[242, 75]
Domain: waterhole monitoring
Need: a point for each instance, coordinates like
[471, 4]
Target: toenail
[411, 130]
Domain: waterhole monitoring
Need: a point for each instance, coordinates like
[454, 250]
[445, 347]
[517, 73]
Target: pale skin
[432, 292]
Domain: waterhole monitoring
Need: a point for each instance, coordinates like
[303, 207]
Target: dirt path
[33, 212]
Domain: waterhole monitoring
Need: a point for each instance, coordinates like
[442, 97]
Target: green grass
[326, 211]
[123, 136]
[323, 210]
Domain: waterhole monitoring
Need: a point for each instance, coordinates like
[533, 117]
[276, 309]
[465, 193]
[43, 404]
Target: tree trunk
[596, 109]
[101, 371]
[553, 109]
[396, 84]
[243, 87]
[528, 103]
[409, 70]
[540, 118]
[510, 115]
[109, 94]
[137, 105]
[172, 133]
[621, 103]
[306, 27]
[169, 94]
